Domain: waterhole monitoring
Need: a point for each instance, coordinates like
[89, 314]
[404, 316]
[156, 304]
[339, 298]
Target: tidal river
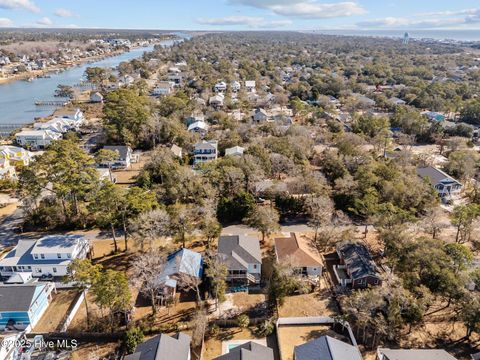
[17, 99]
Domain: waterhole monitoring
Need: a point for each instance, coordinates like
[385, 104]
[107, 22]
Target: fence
[313, 320]
[73, 311]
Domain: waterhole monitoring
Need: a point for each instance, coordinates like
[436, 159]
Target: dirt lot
[56, 312]
[291, 336]
[94, 351]
[127, 176]
[317, 303]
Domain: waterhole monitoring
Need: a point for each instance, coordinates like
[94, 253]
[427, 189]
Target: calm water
[17, 98]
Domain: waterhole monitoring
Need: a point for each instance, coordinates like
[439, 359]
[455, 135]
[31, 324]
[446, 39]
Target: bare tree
[149, 226]
[320, 210]
[432, 223]
[146, 269]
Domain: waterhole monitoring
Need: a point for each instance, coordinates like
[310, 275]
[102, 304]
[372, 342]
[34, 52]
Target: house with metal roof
[22, 306]
[445, 185]
[49, 255]
[242, 256]
[298, 253]
[205, 151]
[248, 351]
[413, 354]
[183, 262]
[326, 348]
[163, 347]
[357, 268]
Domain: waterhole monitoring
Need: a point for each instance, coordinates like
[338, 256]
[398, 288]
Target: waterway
[17, 99]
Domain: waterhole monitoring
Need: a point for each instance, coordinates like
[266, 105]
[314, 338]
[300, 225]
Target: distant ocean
[459, 35]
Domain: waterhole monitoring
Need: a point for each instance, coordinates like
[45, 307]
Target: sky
[242, 14]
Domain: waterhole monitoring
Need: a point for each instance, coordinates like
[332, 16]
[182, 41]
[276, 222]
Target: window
[54, 269]
[35, 256]
[59, 256]
[42, 256]
[254, 266]
[39, 270]
[69, 256]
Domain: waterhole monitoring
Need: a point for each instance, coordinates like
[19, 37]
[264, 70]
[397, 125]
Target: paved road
[244, 229]
[9, 226]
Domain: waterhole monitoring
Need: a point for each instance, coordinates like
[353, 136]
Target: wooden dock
[52, 102]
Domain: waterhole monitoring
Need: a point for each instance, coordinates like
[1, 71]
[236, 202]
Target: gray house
[326, 348]
[413, 354]
[242, 256]
[248, 351]
[445, 185]
[357, 267]
[163, 347]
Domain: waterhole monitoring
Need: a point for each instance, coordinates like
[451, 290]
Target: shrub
[265, 328]
[133, 337]
[243, 321]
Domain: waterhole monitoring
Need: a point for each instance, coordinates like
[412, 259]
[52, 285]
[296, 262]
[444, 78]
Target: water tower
[406, 38]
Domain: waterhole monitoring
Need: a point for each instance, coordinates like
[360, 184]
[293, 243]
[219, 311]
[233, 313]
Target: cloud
[45, 21]
[435, 21]
[306, 9]
[5, 22]
[250, 21]
[19, 4]
[63, 13]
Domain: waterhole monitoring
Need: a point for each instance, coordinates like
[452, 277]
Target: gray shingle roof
[163, 347]
[415, 354]
[326, 348]
[248, 351]
[17, 297]
[357, 259]
[237, 251]
[435, 175]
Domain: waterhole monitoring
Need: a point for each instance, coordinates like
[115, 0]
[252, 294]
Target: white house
[234, 151]
[36, 139]
[250, 86]
[205, 151]
[221, 86]
[124, 159]
[49, 255]
[200, 127]
[163, 88]
[242, 256]
[445, 185]
[216, 101]
[235, 86]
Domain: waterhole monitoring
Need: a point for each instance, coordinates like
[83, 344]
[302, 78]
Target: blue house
[22, 306]
[181, 263]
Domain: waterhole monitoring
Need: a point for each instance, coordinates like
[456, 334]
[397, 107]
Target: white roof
[236, 150]
[250, 83]
[54, 244]
[202, 125]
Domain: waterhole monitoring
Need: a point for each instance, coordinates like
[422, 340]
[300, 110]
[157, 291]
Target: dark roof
[248, 351]
[163, 347]
[357, 259]
[326, 348]
[435, 175]
[17, 297]
[122, 150]
[415, 354]
[237, 251]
